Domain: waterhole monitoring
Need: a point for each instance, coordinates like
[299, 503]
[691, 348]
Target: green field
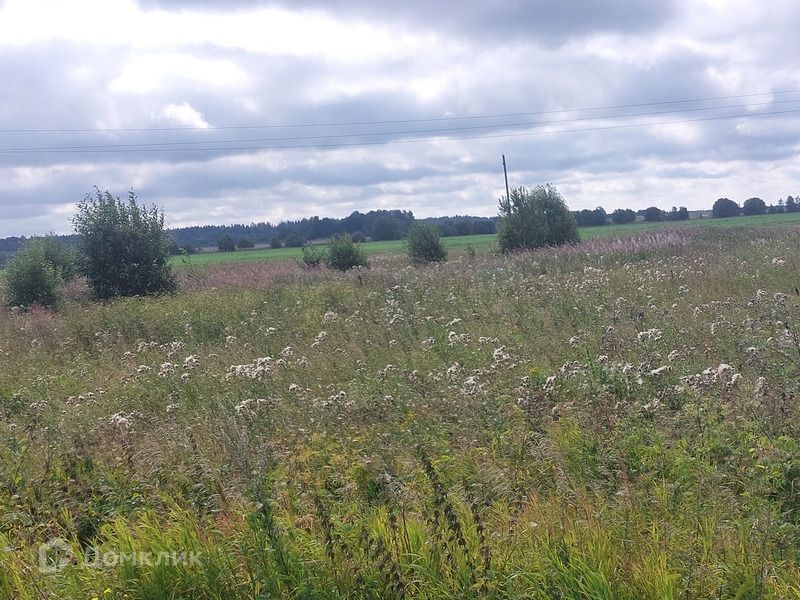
[490, 241]
[618, 420]
[262, 254]
[752, 221]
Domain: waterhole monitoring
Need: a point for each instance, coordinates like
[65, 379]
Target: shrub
[35, 273]
[725, 208]
[245, 243]
[423, 245]
[275, 243]
[62, 258]
[124, 246]
[343, 254]
[532, 218]
[313, 256]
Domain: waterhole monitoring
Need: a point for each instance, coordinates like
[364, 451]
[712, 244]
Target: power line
[379, 133]
[396, 121]
[407, 141]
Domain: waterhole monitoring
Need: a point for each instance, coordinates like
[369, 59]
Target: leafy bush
[725, 208]
[125, 247]
[245, 243]
[532, 218]
[423, 245]
[275, 243]
[35, 273]
[343, 254]
[313, 256]
[62, 258]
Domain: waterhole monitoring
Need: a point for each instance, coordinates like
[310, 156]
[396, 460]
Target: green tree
[531, 218]
[124, 246]
[343, 254]
[245, 243]
[622, 216]
[653, 214]
[35, 273]
[463, 227]
[294, 240]
[724, 208]
[754, 206]
[226, 244]
[386, 228]
[423, 244]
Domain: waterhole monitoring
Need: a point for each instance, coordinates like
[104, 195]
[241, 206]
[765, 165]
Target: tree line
[122, 248]
[375, 225]
[381, 225]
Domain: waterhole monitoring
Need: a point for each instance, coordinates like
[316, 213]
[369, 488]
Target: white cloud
[263, 30]
[184, 114]
[150, 72]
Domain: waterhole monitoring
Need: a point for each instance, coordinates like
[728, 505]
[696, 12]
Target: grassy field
[614, 420]
[612, 231]
[490, 241]
[371, 248]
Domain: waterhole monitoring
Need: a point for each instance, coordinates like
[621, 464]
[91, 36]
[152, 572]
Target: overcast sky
[257, 111]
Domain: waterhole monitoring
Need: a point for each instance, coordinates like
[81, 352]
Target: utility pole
[505, 172]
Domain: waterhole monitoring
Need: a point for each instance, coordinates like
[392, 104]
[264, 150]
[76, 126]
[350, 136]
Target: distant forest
[381, 225]
[377, 225]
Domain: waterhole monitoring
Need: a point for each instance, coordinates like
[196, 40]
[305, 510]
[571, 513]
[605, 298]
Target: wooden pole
[505, 172]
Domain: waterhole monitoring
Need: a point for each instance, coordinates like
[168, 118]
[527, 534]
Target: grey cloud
[546, 20]
[509, 58]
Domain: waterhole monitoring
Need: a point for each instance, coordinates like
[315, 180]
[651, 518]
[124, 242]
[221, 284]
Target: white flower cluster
[321, 336]
[249, 407]
[258, 369]
[651, 335]
[722, 373]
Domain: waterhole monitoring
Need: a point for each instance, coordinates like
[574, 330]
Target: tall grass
[616, 419]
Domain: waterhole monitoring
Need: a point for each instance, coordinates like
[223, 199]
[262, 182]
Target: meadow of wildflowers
[616, 419]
